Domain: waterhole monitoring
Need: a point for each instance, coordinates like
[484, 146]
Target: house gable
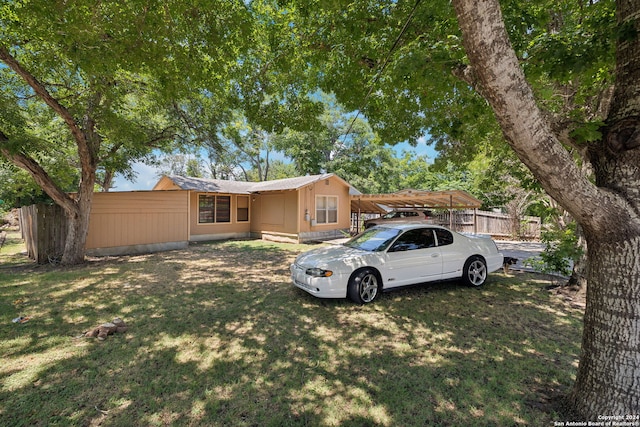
[166, 183]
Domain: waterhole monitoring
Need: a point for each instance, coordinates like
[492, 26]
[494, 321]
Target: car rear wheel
[363, 286]
[474, 272]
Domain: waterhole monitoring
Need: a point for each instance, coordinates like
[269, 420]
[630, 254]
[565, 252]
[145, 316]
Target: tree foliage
[559, 81]
[112, 77]
[102, 74]
[561, 250]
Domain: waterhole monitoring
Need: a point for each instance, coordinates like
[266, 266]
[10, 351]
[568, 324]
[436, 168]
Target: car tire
[474, 272]
[364, 286]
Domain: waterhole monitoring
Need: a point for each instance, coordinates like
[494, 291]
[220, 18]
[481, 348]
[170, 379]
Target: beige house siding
[291, 215]
[135, 222]
[275, 215]
[218, 231]
[168, 216]
[308, 203]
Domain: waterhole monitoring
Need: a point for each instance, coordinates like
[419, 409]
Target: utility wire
[382, 68]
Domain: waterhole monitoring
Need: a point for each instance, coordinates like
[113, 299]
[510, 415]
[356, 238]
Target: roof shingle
[243, 187]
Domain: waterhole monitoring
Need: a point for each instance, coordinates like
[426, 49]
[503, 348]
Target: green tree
[18, 188]
[416, 172]
[369, 166]
[314, 149]
[250, 145]
[101, 73]
[613, 285]
[278, 169]
[342, 143]
[560, 81]
[182, 165]
[281, 169]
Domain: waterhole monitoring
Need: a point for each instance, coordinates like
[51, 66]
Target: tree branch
[467, 74]
[41, 176]
[44, 94]
[505, 88]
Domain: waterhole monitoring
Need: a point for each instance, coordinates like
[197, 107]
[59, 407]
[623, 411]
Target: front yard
[219, 336]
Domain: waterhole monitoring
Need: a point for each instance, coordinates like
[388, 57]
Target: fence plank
[44, 230]
[475, 221]
[492, 223]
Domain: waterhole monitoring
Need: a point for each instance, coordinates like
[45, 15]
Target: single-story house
[179, 210]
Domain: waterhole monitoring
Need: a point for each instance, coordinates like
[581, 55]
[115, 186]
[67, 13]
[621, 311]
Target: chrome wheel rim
[477, 273]
[368, 288]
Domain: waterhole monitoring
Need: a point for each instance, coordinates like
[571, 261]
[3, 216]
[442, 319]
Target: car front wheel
[363, 286]
[474, 272]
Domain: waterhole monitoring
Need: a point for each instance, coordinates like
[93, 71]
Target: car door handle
[435, 255]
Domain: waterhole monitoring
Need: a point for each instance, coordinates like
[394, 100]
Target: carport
[411, 199]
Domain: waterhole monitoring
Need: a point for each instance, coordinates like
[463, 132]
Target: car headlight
[318, 272]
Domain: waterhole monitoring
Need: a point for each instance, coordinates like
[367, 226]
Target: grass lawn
[219, 336]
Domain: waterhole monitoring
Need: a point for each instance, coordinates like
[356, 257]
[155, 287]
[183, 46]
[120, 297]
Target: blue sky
[148, 175]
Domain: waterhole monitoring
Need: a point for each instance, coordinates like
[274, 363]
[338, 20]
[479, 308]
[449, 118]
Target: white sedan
[391, 256]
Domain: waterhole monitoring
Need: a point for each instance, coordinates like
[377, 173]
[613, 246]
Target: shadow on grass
[219, 336]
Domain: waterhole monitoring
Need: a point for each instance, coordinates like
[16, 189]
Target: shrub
[561, 249]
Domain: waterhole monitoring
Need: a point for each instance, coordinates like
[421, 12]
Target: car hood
[330, 255]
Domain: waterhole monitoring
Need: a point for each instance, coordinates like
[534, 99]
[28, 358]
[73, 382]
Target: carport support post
[450, 212]
[475, 218]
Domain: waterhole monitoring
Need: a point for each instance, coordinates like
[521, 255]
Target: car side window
[429, 238]
[414, 239]
[445, 237]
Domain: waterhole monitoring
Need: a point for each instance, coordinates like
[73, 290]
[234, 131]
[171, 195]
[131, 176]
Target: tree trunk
[106, 183]
[77, 209]
[579, 271]
[78, 225]
[608, 378]
[78, 213]
[88, 142]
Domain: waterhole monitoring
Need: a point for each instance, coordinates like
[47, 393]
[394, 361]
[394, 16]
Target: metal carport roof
[413, 199]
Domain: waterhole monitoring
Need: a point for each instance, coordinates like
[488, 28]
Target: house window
[326, 209]
[214, 209]
[242, 211]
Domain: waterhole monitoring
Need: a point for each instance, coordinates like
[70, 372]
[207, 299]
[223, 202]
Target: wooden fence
[481, 222]
[492, 223]
[44, 230]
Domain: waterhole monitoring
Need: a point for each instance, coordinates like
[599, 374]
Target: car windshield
[374, 239]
